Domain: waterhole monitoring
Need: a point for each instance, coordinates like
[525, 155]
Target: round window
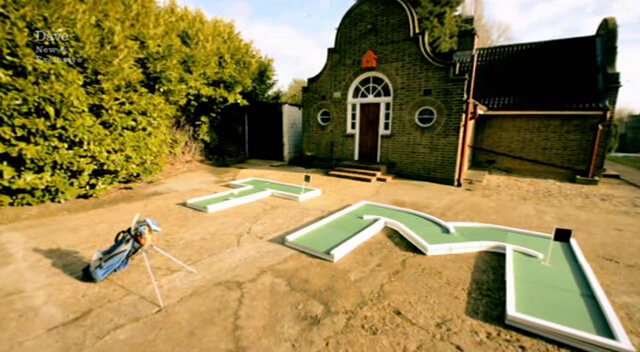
[324, 117]
[426, 116]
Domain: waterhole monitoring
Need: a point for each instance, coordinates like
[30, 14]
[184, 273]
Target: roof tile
[551, 75]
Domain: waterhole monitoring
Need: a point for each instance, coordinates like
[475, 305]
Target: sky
[296, 34]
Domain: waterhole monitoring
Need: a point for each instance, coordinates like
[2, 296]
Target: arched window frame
[353, 104]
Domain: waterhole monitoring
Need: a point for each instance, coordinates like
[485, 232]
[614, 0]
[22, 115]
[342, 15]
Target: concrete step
[475, 176]
[384, 178]
[353, 176]
[358, 171]
[610, 173]
[364, 166]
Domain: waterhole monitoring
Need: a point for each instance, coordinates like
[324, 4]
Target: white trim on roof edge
[550, 112]
[413, 18]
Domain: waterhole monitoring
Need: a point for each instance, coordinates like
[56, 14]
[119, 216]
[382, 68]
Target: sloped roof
[564, 74]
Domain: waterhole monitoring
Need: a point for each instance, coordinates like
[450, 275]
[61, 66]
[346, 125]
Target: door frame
[357, 101]
[356, 154]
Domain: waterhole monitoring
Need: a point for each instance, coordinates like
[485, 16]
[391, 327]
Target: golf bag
[117, 257]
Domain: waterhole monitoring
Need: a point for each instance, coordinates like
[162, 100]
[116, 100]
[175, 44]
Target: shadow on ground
[400, 242]
[486, 300]
[68, 261]
[487, 291]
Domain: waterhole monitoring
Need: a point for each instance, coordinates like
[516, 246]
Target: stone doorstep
[361, 172]
[352, 176]
[610, 173]
[358, 171]
[364, 166]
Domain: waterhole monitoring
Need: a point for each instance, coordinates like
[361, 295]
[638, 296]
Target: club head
[153, 225]
[135, 219]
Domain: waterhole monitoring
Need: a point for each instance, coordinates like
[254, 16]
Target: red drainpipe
[469, 112]
[596, 144]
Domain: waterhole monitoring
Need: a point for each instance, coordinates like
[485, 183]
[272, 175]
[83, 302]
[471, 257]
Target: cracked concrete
[254, 294]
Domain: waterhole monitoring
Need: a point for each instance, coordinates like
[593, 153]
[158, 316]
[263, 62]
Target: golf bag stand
[137, 238]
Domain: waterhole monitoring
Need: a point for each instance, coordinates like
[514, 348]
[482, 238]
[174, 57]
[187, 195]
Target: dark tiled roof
[562, 74]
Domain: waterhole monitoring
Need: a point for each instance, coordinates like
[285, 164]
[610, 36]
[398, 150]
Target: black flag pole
[307, 179]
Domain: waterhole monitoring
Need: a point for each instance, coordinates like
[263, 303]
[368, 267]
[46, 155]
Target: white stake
[149, 244]
[548, 261]
[174, 259]
[135, 220]
[153, 278]
[304, 181]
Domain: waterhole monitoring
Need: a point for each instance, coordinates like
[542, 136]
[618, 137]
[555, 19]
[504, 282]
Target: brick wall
[565, 141]
[412, 151]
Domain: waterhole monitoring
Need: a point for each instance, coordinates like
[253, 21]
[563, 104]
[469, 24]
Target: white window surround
[371, 87]
[385, 122]
[325, 115]
[369, 90]
[426, 112]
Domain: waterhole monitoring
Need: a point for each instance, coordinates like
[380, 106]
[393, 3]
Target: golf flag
[307, 179]
[562, 235]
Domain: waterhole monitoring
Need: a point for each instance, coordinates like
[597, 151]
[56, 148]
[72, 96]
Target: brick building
[384, 97]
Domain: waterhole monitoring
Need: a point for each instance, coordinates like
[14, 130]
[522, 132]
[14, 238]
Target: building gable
[379, 40]
[370, 23]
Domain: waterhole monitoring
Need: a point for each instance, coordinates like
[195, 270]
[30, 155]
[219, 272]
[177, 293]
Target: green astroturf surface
[470, 234]
[258, 186]
[277, 187]
[332, 234]
[558, 293]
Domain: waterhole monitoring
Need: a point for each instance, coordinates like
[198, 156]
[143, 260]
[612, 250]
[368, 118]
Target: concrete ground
[627, 173]
[254, 294]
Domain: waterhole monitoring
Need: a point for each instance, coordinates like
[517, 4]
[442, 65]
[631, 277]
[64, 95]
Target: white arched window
[371, 87]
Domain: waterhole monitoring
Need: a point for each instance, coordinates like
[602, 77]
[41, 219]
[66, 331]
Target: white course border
[240, 187]
[288, 240]
[357, 239]
[570, 336]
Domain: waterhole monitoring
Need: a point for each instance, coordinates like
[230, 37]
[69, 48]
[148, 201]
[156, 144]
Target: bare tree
[490, 32]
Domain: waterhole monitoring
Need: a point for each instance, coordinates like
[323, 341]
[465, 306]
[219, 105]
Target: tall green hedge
[97, 92]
